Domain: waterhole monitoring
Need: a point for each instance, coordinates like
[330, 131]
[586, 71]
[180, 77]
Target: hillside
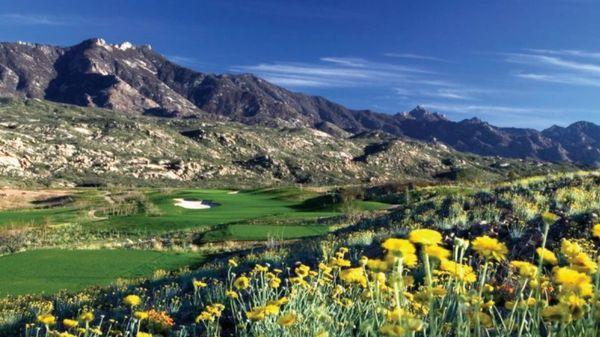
[61, 144]
[136, 80]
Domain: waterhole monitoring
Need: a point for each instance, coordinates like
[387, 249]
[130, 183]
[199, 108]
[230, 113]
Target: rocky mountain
[580, 140]
[135, 80]
[474, 135]
[65, 145]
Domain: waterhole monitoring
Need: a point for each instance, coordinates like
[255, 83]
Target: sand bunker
[192, 204]
[232, 192]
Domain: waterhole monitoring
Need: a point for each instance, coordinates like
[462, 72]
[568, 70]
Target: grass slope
[242, 206]
[50, 270]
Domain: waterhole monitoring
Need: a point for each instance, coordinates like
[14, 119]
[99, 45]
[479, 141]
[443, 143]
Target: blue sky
[512, 63]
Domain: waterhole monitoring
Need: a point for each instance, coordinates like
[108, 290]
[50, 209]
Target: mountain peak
[100, 42]
[421, 113]
[133, 80]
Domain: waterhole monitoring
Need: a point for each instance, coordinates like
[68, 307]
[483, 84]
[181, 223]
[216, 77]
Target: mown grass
[50, 270]
[232, 208]
[35, 217]
[280, 204]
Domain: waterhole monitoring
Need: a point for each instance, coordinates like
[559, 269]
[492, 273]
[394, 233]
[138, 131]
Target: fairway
[232, 207]
[50, 270]
[284, 213]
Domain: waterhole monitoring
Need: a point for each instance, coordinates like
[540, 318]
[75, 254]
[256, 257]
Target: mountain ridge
[137, 80]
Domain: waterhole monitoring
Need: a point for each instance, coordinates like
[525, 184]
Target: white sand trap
[189, 204]
[233, 192]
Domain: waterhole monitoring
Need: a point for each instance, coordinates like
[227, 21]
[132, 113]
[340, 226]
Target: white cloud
[567, 52]
[563, 66]
[414, 57]
[36, 20]
[561, 79]
[345, 72]
[503, 115]
[449, 92]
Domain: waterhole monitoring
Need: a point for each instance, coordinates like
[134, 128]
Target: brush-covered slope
[136, 80]
[48, 142]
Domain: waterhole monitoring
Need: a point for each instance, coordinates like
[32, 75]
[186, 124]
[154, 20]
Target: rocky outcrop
[135, 80]
[64, 144]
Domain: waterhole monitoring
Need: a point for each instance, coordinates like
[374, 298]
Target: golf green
[50, 270]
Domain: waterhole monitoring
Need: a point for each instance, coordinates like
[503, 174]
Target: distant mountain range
[136, 80]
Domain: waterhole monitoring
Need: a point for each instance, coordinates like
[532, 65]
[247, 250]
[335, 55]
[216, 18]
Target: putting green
[50, 270]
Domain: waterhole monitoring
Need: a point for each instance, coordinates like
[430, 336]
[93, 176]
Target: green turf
[50, 270]
[267, 210]
[36, 216]
[247, 232]
[242, 206]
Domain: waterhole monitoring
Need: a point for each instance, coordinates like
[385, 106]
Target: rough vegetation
[511, 259]
[62, 145]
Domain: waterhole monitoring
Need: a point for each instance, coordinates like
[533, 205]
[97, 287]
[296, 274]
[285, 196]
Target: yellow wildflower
[525, 269]
[70, 323]
[399, 247]
[271, 309]
[199, 283]
[46, 319]
[392, 330]
[583, 263]
[275, 282]
[132, 300]
[287, 319]
[437, 252]
[547, 256]
[302, 270]
[596, 230]
[570, 249]
[354, 275]
[65, 334]
[574, 282]
[490, 248]
[257, 314]
[241, 282]
[575, 304]
[231, 294]
[425, 237]
[459, 271]
[87, 316]
[377, 265]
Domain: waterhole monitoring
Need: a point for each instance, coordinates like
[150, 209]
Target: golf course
[141, 214]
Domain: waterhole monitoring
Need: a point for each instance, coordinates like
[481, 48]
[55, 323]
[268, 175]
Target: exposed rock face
[580, 141]
[136, 80]
[55, 143]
